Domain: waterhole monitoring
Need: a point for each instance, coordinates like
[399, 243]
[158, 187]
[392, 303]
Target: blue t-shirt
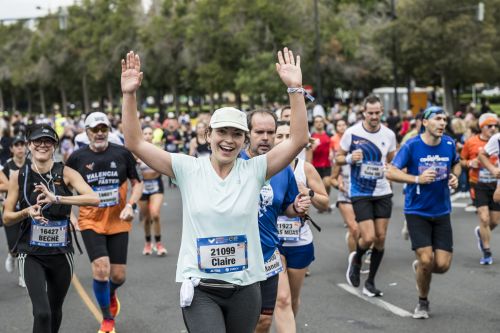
[275, 197]
[427, 199]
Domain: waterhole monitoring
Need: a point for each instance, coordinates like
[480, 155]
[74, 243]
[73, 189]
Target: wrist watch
[133, 206]
[311, 193]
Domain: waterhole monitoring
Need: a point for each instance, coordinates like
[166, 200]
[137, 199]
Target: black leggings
[47, 278]
[210, 312]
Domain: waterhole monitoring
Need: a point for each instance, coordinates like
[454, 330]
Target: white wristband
[348, 159]
[416, 179]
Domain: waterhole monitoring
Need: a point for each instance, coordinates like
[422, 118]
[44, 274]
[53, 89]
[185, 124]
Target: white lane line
[375, 301]
[459, 204]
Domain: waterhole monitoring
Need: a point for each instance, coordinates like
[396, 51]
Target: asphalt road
[463, 300]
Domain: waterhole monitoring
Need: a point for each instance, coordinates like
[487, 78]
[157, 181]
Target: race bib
[222, 254]
[440, 167]
[289, 228]
[109, 195]
[274, 265]
[485, 176]
[151, 186]
[372, 170]
[52, 234]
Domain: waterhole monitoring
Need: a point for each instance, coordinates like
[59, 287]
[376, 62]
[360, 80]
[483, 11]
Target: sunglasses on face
[491, 126]
[102, 129]
[46, 142]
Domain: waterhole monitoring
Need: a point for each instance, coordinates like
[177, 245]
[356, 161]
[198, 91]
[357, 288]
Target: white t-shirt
[214, 208]
[492, 147]
[368, 178]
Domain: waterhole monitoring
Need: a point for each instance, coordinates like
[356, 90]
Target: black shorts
[269, 292]
[484, 197]
[152, 186]
[371, 208]
[324, 172]
[112, 246]
[430, 231]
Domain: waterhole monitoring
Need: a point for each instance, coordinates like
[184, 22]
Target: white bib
[372, 170]
[274, 265]
[109, 195]
[52, 234]
[222, 254]
[151, 186]
[289, 228]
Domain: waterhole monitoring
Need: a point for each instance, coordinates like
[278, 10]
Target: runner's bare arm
[136, 193]
[340, 157]
[150, 154]
[399, 176]
[484, 159]
[320, 200]
[86, 196]
[10, 215]
[390, 156]
[4, 182]
[281, 155]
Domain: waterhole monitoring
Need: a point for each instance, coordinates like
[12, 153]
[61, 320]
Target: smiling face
[226, 143]
[436, 125]
[98, 137]
[488, 131]
[262, 134]
[42, 149]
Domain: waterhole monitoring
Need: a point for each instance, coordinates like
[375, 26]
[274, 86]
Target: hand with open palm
[131, 73]
[289, 69]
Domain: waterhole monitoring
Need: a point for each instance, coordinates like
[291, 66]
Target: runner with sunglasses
[43, 189]
[106, 167]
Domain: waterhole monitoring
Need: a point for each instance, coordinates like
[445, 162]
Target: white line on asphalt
[376, 301]
[459, 204]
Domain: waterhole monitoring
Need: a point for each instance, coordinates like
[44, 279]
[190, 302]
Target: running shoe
[160, 250]
[9, 263]
[486, 260]
[20, 282]
[308, 273]
[422, 310]
[371, 291]
[404, 231]
[148, 249]
[470, 208]
[479, 240]
[114, 305]
[107, 326]
[353, 271]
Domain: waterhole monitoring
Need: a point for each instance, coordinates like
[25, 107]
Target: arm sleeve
[259, 164]
[401, 159]
[182, 166]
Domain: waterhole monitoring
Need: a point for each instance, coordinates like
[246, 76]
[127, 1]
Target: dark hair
[337, 121]
[146, 126]
[261, 111]
[371, 99]
[282, 123]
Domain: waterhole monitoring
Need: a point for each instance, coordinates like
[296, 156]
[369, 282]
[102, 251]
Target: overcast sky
[28, 8]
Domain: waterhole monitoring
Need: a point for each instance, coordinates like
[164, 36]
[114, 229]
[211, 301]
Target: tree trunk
[30, 100]
[13, 100]
[239, 103]
[219, 100]
[212, 103]
[2, 105]
[159, 104]
[85, 89]
[109, 90]
[64, 101]
[42, 100]
[175, 92]
[447, 94]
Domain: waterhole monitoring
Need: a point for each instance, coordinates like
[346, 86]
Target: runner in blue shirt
[432, 165]
[279, 197]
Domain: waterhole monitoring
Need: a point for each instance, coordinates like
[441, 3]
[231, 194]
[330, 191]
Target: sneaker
[20, 282]
[353, 270]
[422, 310]
[9, 263]
[479, 240]
[107, 326]
[371, 291]
[404, 231]
[486, 260]
[308, 273]
[470, 208]
[114, 305]
[368, 257]
[148, 249]
[160, 250]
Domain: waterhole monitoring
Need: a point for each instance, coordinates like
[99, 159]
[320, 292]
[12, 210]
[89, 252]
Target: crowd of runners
[245, 251]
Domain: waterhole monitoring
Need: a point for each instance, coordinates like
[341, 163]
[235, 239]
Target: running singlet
[470, 151]
[274, 199]
[220, 233]
[107, 173]
[427, 199]
[321, 155]
[367, 178]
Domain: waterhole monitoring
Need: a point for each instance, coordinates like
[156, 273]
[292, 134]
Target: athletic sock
[148, 239]
[375, 261]
[422, 299]
[360, 252]
[113, 286]
[158, 238]
[487, 253]
[102, 292]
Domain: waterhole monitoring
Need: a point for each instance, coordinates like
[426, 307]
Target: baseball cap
[17, 139]
[488, 119]
[229, 117]
[96, 118]
[43, 131]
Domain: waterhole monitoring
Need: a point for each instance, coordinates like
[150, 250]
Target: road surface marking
[376, 301]
[86, 299]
